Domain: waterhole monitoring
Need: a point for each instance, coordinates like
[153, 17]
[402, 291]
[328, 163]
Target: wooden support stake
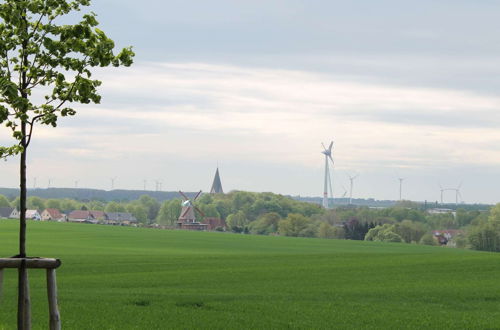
[27, 303]
[55, 319]
[24, 302]
[1, 284]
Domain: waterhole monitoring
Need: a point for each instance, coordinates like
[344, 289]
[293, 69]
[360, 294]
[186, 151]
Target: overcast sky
[404, 89]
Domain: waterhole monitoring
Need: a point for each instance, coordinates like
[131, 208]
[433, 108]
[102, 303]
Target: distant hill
[82, 194]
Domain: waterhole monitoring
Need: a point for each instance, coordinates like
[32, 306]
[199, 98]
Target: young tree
[38, 53]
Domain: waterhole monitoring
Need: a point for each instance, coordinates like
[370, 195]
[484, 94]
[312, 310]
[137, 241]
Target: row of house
[82, 216]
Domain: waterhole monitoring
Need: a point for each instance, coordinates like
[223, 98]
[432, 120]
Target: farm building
[120, 218]
[98, 215]
[82, 216]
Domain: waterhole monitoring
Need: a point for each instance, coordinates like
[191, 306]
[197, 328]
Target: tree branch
[38, 53]
[7, 63]
[36, 118]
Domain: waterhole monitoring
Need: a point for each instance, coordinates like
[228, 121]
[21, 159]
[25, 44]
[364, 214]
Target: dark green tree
[152, 206]
[39, 53]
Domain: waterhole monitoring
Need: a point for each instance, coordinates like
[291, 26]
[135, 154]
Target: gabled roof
[121, 216]
[5, 212]
[98, 214]
[216, 185]
[80, 214]
[54, 213]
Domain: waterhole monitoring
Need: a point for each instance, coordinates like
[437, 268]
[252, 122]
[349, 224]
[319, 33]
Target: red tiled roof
[97, 214]
[54, 213]
[79, 214]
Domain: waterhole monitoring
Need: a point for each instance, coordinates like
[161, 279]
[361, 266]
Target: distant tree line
[273, 214]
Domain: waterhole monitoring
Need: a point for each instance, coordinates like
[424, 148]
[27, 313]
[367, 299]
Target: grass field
[133, 278]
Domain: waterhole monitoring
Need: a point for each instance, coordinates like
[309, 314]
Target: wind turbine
[442, 190]
[328, 180]
[113, 182]
[351, 179]
[457, 193]
[158, 185]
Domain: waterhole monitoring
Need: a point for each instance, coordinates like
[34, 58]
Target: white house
[33, 215]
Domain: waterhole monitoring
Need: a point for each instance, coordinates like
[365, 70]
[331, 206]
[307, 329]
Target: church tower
[217, 185]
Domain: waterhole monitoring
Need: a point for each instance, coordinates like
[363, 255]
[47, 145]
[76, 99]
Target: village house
[33, 215]
[9, 213]
[99, 215]
[120, 218]
[53, 215]
[81, 216]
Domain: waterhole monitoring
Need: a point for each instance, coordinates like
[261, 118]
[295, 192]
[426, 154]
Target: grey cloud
[427, 117]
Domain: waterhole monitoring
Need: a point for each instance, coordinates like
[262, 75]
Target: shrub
[428, 239]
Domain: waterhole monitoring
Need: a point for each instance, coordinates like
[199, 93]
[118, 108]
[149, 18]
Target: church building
[216, 185]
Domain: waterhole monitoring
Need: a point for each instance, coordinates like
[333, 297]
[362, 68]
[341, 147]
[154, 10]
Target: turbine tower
[457, 194]
[328, 180]
[345, 191]
[401, 188]
[351, 179]
[442, 190]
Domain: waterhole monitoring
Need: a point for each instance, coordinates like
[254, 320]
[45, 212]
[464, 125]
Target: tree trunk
[22, 308]
[23, 303]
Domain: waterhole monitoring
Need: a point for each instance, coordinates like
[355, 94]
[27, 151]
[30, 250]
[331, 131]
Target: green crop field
[133, 278]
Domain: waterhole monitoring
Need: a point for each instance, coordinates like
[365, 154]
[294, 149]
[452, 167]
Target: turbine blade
[331, 145]
[323, 145]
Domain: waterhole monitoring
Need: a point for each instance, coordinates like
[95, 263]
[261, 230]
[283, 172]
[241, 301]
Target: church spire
[217, 185]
